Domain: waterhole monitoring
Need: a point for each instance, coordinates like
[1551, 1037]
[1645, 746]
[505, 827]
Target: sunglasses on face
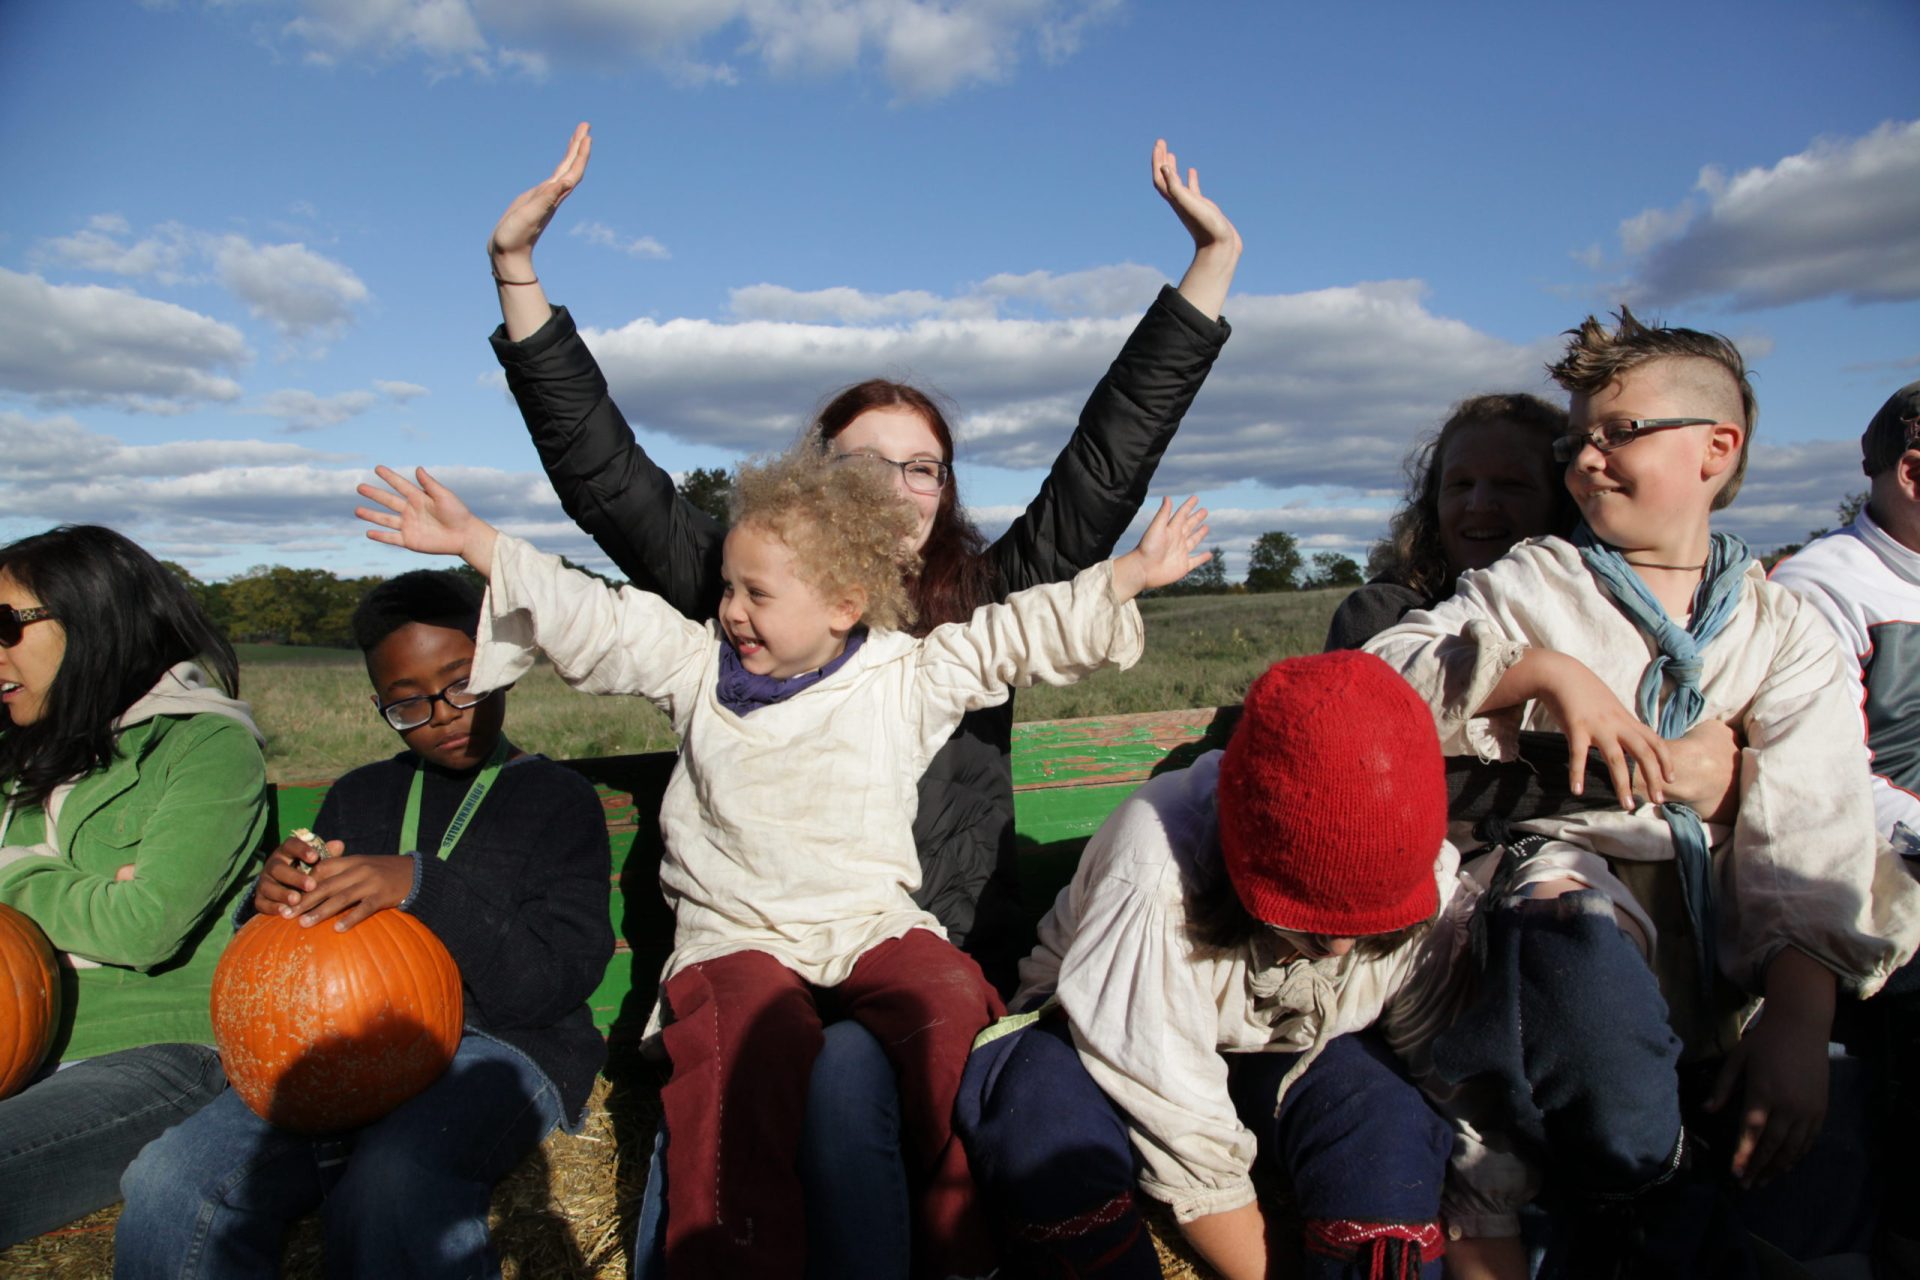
[13, 621]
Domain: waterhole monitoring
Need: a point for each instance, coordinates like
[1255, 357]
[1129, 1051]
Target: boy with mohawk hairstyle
[1646, 622]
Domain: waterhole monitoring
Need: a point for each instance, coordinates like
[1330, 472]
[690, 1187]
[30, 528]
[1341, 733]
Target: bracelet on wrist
[500, 279]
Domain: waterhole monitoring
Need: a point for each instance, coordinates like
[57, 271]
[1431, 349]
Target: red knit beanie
[1333, 798]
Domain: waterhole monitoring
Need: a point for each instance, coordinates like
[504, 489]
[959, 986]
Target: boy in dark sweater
[504, 856]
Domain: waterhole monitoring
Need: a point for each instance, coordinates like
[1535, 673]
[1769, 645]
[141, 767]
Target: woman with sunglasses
[964, 828]
[132, 798]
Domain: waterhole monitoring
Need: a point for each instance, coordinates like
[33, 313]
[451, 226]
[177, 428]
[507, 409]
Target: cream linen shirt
[1803, 864]
[790, 831]
[1152, 1011]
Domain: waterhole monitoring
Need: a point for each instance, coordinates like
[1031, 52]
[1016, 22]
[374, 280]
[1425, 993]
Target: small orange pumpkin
[321, 1031]
[29, 999]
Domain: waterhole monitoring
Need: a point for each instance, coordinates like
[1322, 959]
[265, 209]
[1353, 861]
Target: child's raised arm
[427, 517]
[1167, 550]
[1216, 245]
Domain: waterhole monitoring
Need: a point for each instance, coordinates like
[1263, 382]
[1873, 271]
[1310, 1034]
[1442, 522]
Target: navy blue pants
[1052, 1159]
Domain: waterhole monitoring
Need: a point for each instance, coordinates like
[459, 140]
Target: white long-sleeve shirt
[1152, 1011]
[790, 831]
[1804, 866]
[1867, 586]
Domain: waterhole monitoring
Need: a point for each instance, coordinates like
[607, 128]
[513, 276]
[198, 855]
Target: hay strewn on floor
[567, 1213]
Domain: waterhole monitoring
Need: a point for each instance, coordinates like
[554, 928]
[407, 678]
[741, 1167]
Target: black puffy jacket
[628, 505]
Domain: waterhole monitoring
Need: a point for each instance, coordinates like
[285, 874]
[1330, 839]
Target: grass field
[314, 704]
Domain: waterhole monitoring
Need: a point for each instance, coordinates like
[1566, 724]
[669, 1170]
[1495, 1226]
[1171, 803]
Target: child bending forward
[805, 721]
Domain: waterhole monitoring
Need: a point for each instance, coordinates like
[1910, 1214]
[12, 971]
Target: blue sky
[241, 242]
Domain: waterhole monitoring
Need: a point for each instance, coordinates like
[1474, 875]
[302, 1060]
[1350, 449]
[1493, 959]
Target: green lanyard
[410, 824]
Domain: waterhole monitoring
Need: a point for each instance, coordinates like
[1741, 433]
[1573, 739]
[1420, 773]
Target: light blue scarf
[1678, 660]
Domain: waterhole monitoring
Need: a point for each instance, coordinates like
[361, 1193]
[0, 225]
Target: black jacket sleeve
[604, 479]
[1369, 610]
[1101, 478]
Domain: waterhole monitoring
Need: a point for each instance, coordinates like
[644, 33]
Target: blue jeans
[405, 1195]
[850, 1169]
[66, 1138]
[1053, 1156]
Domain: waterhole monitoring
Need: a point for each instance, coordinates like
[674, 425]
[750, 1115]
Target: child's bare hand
[1784, 1103]
[287, 875]
[1592, 717]
[124, 874]
[1200, 216]
[520, 226]
[1783, 1055]
[353, 888]
[427, 517]
[1706, 771]
[1167, 550]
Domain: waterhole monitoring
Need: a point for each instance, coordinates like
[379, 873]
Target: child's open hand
[1201, 216]
[427, 517]
[1167, 550]
[511, 245]
[1592, 717]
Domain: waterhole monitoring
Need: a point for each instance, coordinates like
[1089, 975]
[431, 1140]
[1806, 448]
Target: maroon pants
[744, 1035]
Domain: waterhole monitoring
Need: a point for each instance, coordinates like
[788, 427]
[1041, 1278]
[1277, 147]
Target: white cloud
[1120, 290]
[309, 411]
[399, 392]
[83, 344]
[1840, 219]
[604, 236]
[1327, 387]
[194, 500]
[923, 48]
[101, 246]
[297, 290]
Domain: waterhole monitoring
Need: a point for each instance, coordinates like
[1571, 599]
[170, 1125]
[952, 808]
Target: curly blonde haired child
[790, 862]
[845, 524]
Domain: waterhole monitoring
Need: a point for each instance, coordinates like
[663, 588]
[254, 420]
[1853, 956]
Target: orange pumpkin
[29, 999]
[322, 1031]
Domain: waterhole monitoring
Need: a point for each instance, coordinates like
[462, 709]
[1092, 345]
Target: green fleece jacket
[184, 800]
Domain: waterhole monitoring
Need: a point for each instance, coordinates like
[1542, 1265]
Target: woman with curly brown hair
[1484, 481]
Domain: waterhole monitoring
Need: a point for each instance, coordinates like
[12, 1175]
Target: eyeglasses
[410, 713]
[1618, 433]
[923, 475]
[13, 621]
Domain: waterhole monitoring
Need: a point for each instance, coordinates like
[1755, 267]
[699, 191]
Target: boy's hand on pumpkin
[288, 875]
[354, 888]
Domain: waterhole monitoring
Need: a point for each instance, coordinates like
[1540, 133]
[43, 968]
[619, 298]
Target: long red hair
[955, 578]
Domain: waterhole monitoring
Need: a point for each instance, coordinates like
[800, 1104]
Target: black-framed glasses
[410, 713]
[922, 475]
[1618, 433]
[14, 621]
